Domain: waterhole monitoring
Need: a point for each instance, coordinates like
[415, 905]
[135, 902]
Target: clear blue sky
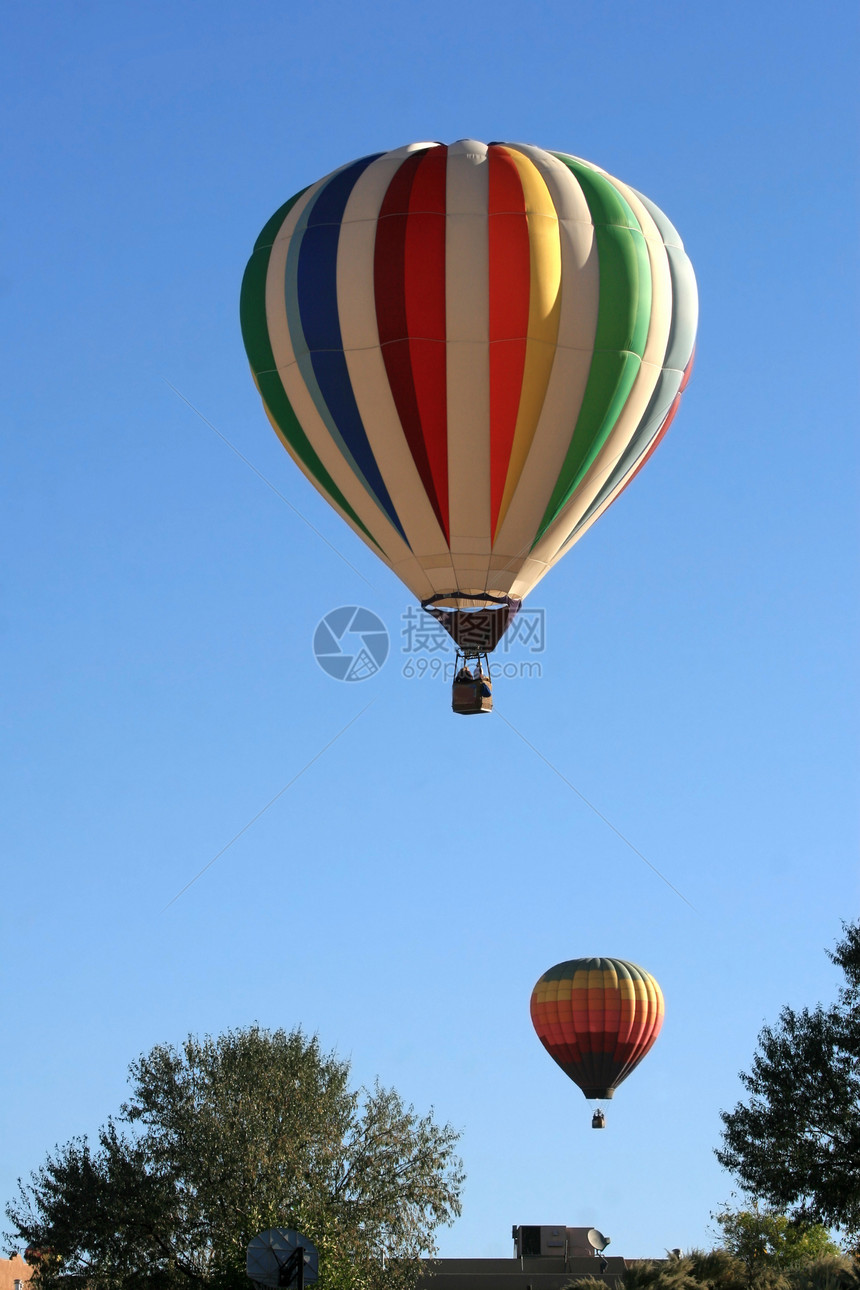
[699, 682]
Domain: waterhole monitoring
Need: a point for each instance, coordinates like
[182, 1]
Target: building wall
[12, 1270]
[517, 1274]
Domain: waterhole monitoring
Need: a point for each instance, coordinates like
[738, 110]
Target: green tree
[832, 1272]
[760, 1237]
[715, 1270]
[722, 1269]
[795, 1143]
[225, 1138]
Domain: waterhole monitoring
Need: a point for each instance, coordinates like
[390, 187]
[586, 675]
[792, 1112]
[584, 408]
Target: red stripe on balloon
[409, 288]
[510, 286]
[425, 312]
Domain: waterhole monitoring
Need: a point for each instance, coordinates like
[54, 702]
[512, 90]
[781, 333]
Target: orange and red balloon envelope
[597, 1018]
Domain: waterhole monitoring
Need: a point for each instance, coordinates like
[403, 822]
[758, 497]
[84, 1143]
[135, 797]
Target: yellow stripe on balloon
[544, 314]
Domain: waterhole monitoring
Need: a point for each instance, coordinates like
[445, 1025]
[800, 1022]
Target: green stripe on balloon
[270, 229]
[624, 308]
[623, 318]
[258, 347]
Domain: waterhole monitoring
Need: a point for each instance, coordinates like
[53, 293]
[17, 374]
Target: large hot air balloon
[597, 1018]
[469, 350]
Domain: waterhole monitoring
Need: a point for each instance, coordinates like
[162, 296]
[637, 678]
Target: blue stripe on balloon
[322, 362]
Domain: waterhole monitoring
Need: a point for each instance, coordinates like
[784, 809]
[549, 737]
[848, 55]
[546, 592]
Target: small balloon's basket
[472, 691]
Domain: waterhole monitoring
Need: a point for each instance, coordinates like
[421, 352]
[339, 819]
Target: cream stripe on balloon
[367, 372]
[557, 540]
[312, 480]
[680, 350]
[468, 368]
[580, 297]
[649, 372]
[552, 543]
[545, 270]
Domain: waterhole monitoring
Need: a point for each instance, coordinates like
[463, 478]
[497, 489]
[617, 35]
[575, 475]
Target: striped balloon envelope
[469, 350]
[597, 1018]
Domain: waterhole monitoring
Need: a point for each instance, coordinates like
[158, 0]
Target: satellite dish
[282, 1257]
[597, 1240]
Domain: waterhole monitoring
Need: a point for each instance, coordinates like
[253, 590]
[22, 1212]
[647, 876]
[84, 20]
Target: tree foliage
[225, 1138]
[795, 1143]
[762, 1238]
[720, 1269]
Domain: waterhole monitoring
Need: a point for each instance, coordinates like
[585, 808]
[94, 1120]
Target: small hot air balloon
[597, 1018]
[469, 350]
